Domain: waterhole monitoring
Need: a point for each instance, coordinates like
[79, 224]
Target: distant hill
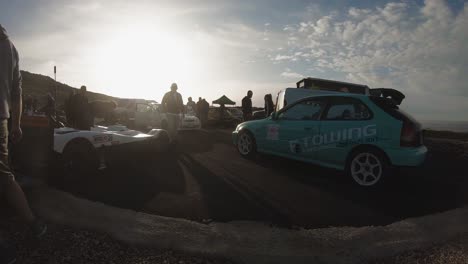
[38, 86]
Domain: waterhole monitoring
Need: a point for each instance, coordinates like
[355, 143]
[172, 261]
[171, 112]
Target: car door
[344, 124]
[297, 125]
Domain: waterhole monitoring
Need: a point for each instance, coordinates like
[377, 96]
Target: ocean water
[455, 126]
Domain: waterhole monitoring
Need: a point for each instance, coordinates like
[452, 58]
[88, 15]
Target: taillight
[411, 135]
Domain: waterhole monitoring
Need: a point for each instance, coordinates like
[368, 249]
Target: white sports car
[94, 148]
[190, 122]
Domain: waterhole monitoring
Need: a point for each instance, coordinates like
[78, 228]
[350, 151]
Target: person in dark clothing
[199, 107]
[173, 105]
[205, 107]
[28, 102]
[222, 111]
[49, 108]
[69, 109]
[269, 106]
[80, 110]
[247, 106]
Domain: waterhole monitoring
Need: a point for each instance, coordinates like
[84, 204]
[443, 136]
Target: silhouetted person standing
[247, 106]
[191, 107]
[80, 110]
[173, 105]
[49, 108]
[206, 109]
[69, 109]
[11, 101]
[199, 107]
[269, 106]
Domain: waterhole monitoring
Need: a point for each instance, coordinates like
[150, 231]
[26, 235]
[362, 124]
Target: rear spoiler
[392, 94]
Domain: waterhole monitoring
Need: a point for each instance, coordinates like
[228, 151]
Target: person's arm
[16, 102]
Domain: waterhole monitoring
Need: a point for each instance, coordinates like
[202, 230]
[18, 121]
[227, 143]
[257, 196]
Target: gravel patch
[63, 245]
[454, 251]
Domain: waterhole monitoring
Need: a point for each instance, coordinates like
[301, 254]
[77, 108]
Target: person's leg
[16, 198]
[10, 187]
[171, 126]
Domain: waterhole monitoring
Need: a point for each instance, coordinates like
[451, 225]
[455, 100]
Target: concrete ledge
[250, 242]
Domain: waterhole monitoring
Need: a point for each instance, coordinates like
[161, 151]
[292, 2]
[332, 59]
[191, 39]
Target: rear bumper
[407, 157]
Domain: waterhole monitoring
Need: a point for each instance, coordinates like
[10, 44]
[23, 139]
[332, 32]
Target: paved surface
[205, 179]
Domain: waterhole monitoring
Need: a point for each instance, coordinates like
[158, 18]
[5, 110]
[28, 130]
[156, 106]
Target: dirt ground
[454, 251]
[205, 179]
[63, 245]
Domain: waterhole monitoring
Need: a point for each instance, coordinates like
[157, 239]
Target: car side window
[143, 108]
[347, 108]
[306, 110]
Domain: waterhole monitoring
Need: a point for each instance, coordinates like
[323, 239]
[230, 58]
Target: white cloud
[409, 47]
[288, 73]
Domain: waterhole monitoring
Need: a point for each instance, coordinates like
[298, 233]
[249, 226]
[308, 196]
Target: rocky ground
[63, 245]
[454, 252]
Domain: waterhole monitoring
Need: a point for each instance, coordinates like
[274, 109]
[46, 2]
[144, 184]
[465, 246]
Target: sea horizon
[440, 125]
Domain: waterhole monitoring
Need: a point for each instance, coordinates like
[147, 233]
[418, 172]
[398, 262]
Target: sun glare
[142, 61]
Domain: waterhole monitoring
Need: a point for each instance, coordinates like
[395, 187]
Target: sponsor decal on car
[338, 138]
[273, 132]
[102, 138]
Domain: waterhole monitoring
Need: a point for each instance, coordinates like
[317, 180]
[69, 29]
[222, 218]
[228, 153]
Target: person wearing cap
[173, 105]
[10, 101]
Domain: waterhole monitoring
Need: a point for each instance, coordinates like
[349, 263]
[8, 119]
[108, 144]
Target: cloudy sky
[210, 48]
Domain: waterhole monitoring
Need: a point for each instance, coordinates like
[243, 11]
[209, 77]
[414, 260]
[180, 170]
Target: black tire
[246, 149]
[79, 157]
[367, 167]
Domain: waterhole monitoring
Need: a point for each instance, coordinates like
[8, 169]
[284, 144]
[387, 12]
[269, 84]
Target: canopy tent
[223, 100]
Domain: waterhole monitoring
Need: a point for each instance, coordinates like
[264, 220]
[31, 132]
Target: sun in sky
[143, 59]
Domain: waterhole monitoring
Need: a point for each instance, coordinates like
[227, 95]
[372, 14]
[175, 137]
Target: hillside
[38, 86]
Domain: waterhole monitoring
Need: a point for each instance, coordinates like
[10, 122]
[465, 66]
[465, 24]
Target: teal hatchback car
[363, 135]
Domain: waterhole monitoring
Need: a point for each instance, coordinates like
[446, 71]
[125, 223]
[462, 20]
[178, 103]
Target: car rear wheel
[367, 167]
[246, 144]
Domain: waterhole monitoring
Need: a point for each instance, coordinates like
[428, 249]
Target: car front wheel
[246, 144]
[367, 167]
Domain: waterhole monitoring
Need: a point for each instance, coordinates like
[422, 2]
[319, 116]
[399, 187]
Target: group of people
[172, 104]
[201, 110]
[247, 109]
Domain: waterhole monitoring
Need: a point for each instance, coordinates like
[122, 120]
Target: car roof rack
[331, 85]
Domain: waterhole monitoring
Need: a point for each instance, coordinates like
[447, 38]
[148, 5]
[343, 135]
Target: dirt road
[205, 179]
